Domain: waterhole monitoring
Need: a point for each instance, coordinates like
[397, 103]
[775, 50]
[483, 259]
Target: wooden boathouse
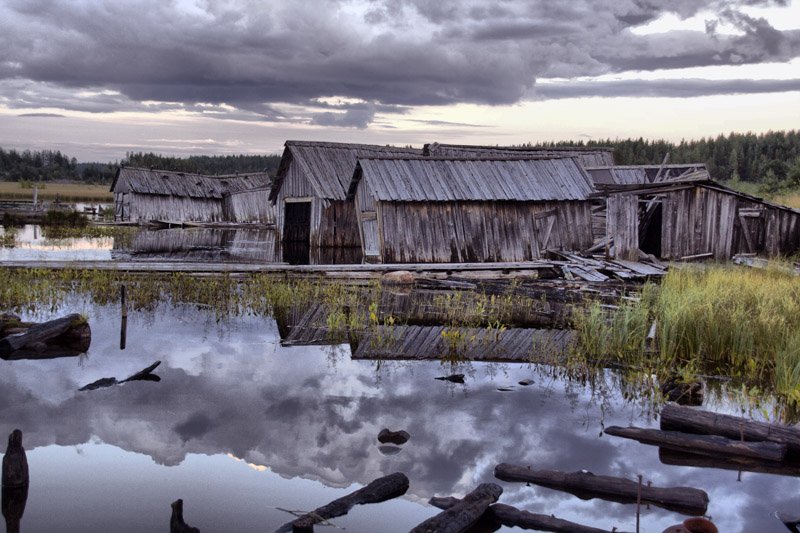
[429, 209]
[310, 192]
[142, 195]
[696, 218]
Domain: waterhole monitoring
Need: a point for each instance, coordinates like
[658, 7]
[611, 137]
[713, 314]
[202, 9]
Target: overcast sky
[98, 78]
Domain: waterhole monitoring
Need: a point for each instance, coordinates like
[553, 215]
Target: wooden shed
[588, 157]
[429, 209]
[310, 191]
[697, 218]
[142, 195]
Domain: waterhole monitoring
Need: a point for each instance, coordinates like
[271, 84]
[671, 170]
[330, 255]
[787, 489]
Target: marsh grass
[65, 192]
[720, 321]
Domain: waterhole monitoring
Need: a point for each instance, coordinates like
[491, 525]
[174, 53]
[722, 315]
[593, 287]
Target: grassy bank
[727, 321]
[66, 192]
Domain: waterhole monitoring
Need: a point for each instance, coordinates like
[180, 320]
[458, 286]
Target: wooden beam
[586, 485]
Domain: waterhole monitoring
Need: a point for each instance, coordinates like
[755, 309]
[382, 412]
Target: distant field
[68, 192]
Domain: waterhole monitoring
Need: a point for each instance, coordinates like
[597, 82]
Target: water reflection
[307, 418]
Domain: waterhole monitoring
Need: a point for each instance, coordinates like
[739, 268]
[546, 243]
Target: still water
[240, 426]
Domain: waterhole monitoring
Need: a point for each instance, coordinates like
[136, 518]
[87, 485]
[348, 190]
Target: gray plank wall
[249, 206]
[146, 207]
[443, 232]
[622, 220]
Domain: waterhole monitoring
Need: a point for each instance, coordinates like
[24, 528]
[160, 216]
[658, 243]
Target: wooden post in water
[35, 196]
[123, 331]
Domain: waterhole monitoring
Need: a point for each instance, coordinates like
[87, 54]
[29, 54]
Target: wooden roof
[171, 183]
[595, 156]
[643, 174]
[328, 166]
[417, 179]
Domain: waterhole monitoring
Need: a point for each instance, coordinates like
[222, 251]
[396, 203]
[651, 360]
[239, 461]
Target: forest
[769, 161]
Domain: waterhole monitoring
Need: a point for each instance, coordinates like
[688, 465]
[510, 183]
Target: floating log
[743, 464]
[505, 515]
[380, 490]
[453, 378]
[702, 444]
[63, 337]
[585, 485]
[176, 523]
[464, 514]
[393, 437]
[15, 462]
[145, 374]
[679, 418]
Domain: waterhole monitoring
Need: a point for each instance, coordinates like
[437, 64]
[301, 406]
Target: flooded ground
[105, 243]
[240, 426]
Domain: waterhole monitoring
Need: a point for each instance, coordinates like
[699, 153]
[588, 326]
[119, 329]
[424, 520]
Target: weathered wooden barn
[502, 208]
[696, 218]
[310, 191]
[588, 157]
[142, 195]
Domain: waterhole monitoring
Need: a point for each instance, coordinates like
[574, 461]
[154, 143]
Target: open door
[297, 233]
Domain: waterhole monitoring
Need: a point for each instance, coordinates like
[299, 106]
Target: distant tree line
[205, 164]
[49, 165]
[770, 159]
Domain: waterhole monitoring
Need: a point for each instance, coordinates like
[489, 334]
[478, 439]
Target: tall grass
[66, 192]
[721, 320]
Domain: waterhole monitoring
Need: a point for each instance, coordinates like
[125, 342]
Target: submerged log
[176, 523]
[15, 462]
[63, 337]
[505, 515]
[702, 444]
[585, 485]
[394, 437]
[464, 514]
[380, 490]
[679, 418]
[743, 464]
[453, 378]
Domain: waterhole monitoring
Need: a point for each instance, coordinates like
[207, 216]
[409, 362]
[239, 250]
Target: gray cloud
[682, 88]
[241, 61]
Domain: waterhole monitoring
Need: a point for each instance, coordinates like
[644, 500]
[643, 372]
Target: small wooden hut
[310, 191]
[142, 195]
[696, 218]
[429, 209]
[588, 157]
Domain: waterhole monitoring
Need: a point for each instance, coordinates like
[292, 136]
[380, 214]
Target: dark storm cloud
[241, 60]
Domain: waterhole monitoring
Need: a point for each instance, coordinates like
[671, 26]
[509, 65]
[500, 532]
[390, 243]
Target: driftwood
[464, 514]
[742, 464]
[702, 444]
[678, 418]
[176, 523]
[380, 490]
[586, 485]
[145, 374]
[15, 462]
[63, 337]
[500, 514]
[454, 378]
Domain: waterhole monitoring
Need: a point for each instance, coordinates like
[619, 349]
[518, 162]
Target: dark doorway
[297, 233]
[650, 229]
[297, 222]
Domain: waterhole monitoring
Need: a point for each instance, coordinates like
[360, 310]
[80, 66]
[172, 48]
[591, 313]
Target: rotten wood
[742, 464]
[380, 490]
[176, 523]
[702, 444]
[464, 514]
[62, 337]
[505, 515]
[678, 418]
[585, 485]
